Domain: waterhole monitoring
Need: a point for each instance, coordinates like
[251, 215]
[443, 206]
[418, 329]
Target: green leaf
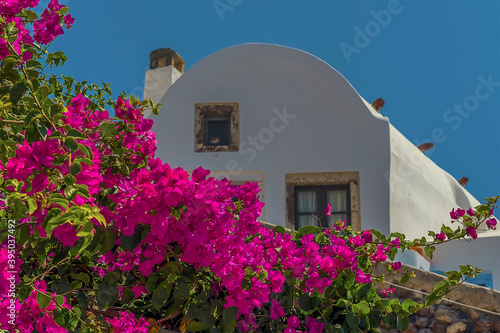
[351, 320]
[70, 192]
[108, 128]
[33, 64]
[17, 92]
[86, 150]
[71, 145]
[407, 304]
[61, 316]
[160, 297]
[429, 250]
[308, 229]
[394, 305]
[42, 129]
[61, 202]
[76, 284]
[75, 134]
[362, 308]
[441, 286]
[87, 229]
[83, 190]
[85, 160]
[431, 299]
[61, 286]
[23, 234]
[195, 326]
[367, 291]
[453, 276]
[109, 241]
[349, 281]
[54, 135]
[151, 283]
[402, 323]
[405, 278]
[131, 242]
[42, 300]
[229, 319]
[25, 292]
[75, 168]
[279, 230]
[42, 93]
[29, 14]
[81, 277]
[32, 205]
[69, 180]
[304, 302]
[107, 295]
[183, 287]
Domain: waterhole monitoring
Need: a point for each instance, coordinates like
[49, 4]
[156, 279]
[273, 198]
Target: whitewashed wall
[329, 127]
[482, 252]
[422, 194]
[298, 114]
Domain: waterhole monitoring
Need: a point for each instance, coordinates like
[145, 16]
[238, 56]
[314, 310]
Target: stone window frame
[350, 178]
[205, 110]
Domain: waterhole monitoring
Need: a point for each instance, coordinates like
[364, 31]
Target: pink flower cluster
[127, 323]
[115, 158]
[210, 234]
[45, 29]
[29, 316]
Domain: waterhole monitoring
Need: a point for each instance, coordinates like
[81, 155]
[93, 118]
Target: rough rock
[411, 329]
[425, 330]
[437, 327]
[472, 314]
[482, 325]
[421, 322]
[444, 315]
[426, 312]
[459, 327]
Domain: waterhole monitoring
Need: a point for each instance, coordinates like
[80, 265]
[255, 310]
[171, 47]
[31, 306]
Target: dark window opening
[217, 131]
[311, 201]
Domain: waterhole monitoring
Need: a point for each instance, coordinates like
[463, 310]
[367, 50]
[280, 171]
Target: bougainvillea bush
[98, 235]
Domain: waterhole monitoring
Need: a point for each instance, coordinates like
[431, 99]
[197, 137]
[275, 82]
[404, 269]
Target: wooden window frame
[348, 178]
[321, 199]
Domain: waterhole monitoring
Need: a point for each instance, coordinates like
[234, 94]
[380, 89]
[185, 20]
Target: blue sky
[435, 63]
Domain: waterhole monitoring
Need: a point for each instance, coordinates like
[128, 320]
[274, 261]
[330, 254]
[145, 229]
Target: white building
[292, 123]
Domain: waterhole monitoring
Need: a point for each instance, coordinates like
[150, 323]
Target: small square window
[217, 131]
[216, 127]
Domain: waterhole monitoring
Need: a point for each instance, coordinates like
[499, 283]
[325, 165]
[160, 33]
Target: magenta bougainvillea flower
[103, 171]
[471, 231]
[388, 291]
[491, 223]
[396, 266]
[454, 214]
[441, 236]
[328, 210]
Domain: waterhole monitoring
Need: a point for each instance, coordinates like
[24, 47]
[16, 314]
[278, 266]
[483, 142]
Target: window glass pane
[217, 131]
[306, 202]
[338, 200]
[303, 220]
[337, 217]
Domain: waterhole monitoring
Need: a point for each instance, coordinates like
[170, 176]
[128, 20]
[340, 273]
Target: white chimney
[165, 67]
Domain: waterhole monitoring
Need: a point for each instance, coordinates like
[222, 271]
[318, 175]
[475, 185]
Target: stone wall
[468, 308]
